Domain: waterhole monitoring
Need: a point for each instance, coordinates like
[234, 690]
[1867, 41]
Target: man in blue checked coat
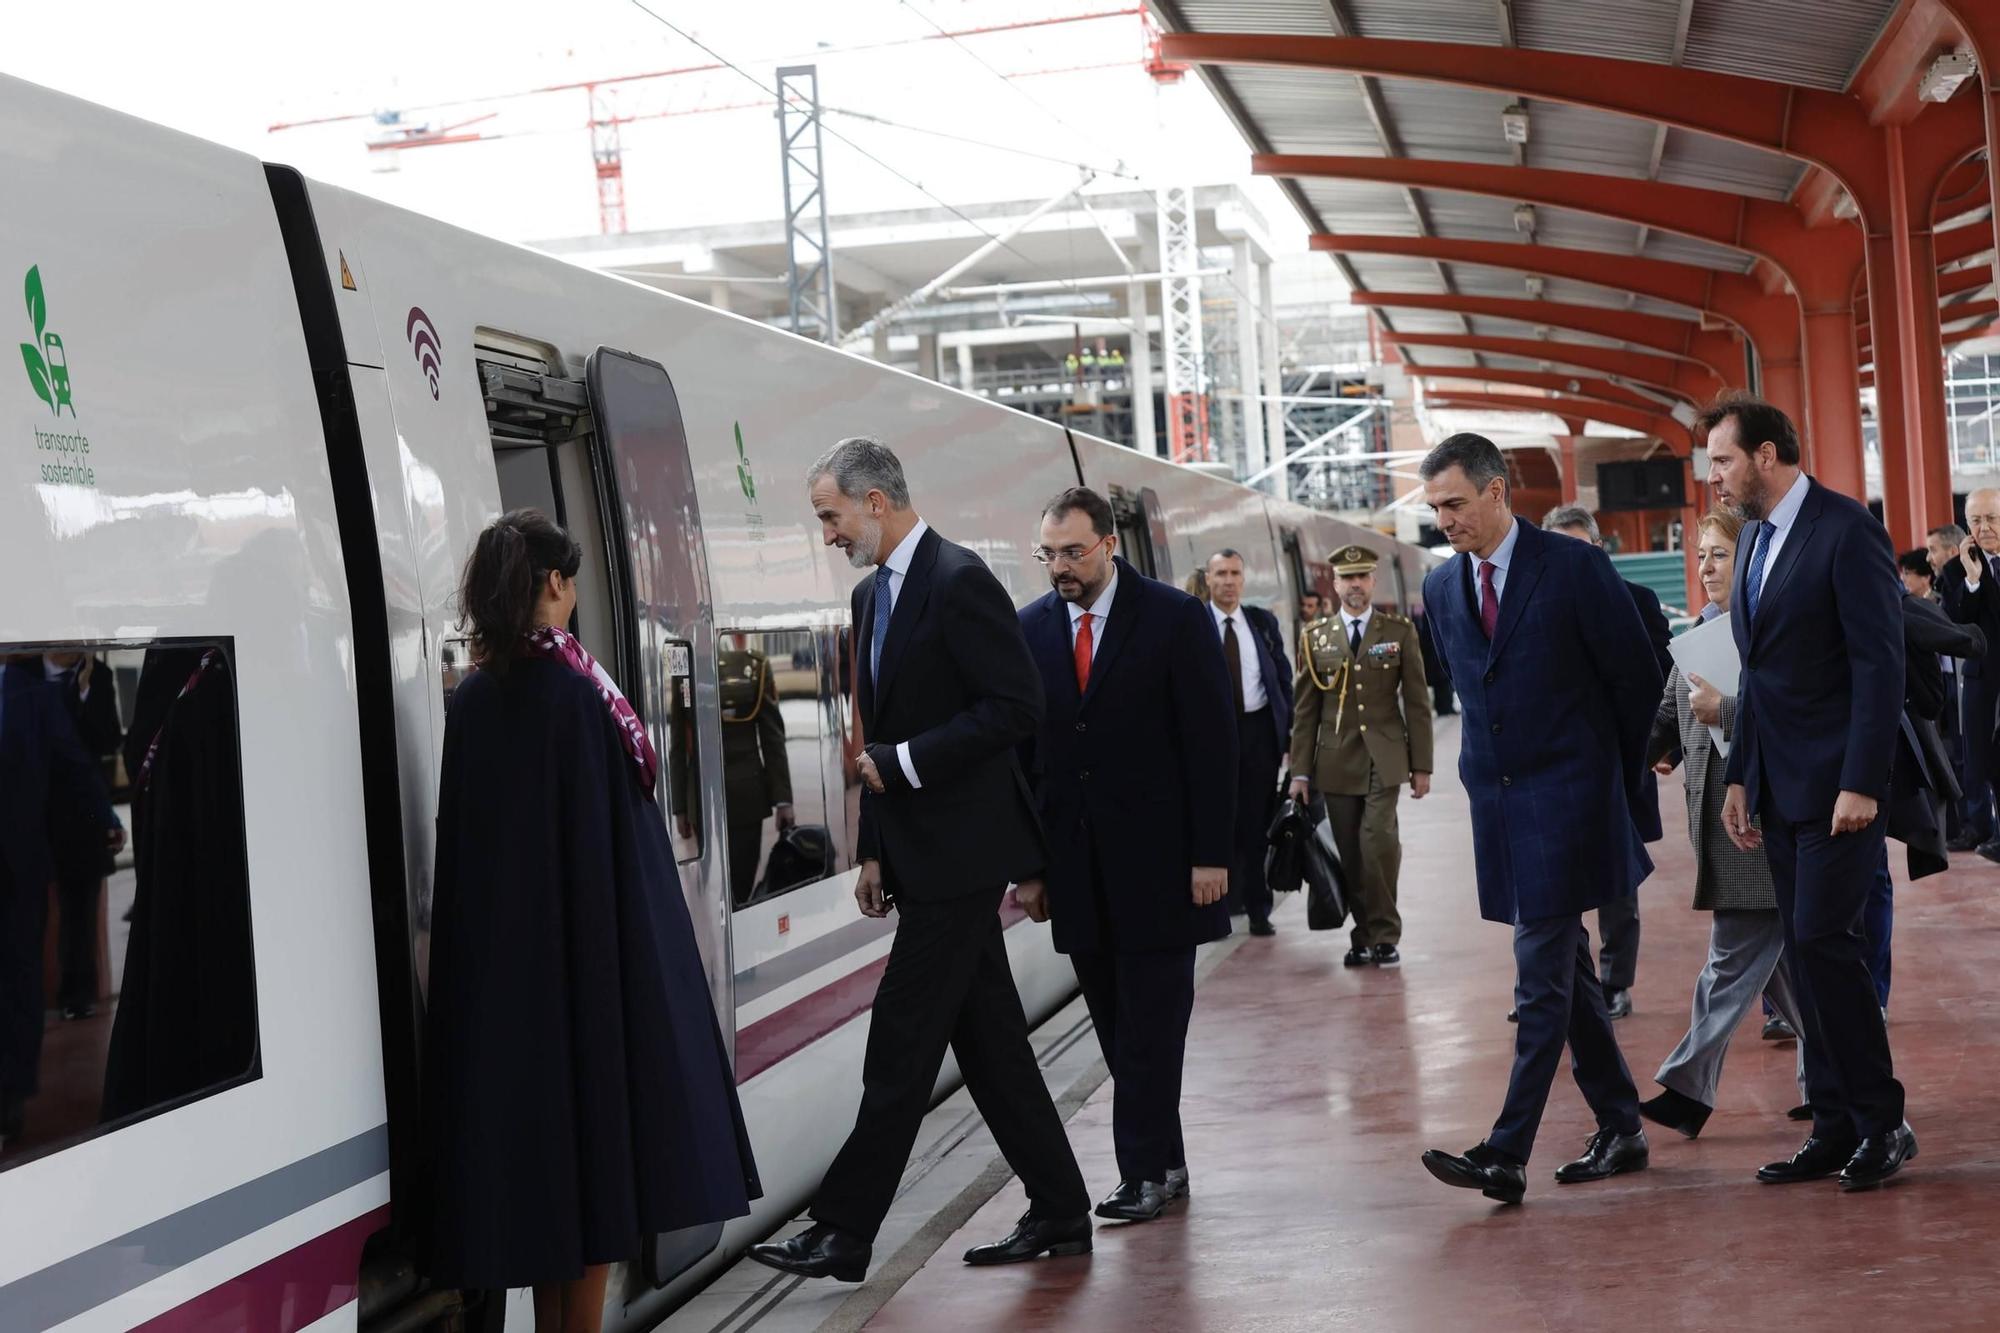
[1558, 687]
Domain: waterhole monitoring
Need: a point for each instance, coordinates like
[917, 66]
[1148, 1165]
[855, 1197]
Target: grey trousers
[1745, 954]
[1618, 943]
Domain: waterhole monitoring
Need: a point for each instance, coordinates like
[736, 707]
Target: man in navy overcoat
[1134, 768]
[1818, 622]
[1558, 688]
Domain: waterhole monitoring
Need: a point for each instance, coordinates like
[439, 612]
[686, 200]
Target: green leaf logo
[46, 358]
[38, 306]
[743, 475]
[38, 373]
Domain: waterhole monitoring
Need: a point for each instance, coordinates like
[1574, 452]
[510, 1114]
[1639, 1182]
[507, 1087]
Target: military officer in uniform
[1361, 727]
[756, 777]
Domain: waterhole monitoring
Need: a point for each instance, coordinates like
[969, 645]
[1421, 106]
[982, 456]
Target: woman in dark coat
[578, 1097]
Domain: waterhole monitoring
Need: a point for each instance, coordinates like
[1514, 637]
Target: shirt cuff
[909, 768]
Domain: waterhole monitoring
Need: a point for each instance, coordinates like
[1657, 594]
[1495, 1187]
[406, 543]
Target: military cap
[1354, 560]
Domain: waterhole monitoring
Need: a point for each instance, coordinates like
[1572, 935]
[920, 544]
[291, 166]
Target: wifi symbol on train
[424, 342]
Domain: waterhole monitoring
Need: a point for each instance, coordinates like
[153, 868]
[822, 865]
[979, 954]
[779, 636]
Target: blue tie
[1753, 582]
[881, 634]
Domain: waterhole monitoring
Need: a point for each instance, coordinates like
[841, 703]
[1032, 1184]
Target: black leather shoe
[1803, 1111]
[1777, 1029]
[1359, 956]
[1879, 1157]
[1513, 1015]
[1608, 1154]
[1480, 1169]
[1386, 956]
[1033, 1237]
[1816, 1159]
[1134, 1201]
[1964, 842]
[1618, 1003]
[1990, 850]
[1177, 1183]
[1259, 926]
[1677, 1111]
[818, 1251]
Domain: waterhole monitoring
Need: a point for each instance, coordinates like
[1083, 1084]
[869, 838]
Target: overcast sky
[707, 149]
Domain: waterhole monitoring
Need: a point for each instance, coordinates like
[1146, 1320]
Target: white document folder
[1709, 651]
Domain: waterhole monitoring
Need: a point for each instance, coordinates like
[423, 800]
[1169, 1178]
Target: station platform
[1311, 1090]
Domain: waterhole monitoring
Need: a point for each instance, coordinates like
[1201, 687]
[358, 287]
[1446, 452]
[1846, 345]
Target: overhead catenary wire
[831, 132]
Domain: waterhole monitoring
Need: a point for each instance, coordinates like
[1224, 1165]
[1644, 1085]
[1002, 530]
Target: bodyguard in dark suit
[1559, 689]
[1131, 765]
[1618, 920]
[1969, 587]
[1253, 652]
[50, 781]
[946, 692]
[1820, 697]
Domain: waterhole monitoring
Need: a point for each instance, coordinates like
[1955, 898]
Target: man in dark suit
[1969, 586]
[947, 692]
[50, 781]
[1818, 627]
[1559, 690]
[1140, 734]
[1618, 920]
[1253, 650]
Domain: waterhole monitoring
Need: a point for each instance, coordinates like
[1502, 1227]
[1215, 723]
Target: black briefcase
[803, 854]
[1302, 855]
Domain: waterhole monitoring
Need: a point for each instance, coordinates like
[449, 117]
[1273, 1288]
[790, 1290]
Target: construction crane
[604, 120]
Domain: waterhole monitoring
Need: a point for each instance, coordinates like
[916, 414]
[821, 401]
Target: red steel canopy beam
[1769, 321]
[1820, 263]
[1659, 333]
[1889, 170]
[1582, 387]
[1684, 379]
[1676, 436]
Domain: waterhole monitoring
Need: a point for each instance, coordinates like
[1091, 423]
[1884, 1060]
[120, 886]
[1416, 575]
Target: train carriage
[256, 425]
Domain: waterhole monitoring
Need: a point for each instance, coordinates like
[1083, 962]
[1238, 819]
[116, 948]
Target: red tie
[1083, 645]
[1489, 600]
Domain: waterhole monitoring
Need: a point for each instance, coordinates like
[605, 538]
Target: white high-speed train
[253, 427]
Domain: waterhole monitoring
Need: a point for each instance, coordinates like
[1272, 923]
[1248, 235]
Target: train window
[127, 985]
[780, 727]
[1135, 537]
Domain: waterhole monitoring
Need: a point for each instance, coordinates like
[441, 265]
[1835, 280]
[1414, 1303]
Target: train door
[1142, 531]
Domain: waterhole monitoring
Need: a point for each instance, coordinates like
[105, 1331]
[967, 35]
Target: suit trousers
[1823, 884]
[948, 985]
[1618, 942]
[1976, 709]
[77, 897]
[1140, 1004]
[1745, 949]
[1368, 836]
[1256, 792]
[1878, 926]
[1559, 1001]
[24, 913]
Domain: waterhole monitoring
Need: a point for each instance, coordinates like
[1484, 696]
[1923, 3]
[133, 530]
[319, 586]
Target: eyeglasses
[1069, 555]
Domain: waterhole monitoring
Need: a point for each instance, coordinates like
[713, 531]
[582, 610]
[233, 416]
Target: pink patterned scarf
[558, 646]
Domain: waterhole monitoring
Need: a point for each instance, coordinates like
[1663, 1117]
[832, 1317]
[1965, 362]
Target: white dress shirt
[898, 565]
[1781, 522]
[1348, 621]
[1500, 560]
[1247, 654]
[1099, 611]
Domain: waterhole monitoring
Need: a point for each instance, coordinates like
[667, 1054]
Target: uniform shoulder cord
[763, 678]
[1340, 678]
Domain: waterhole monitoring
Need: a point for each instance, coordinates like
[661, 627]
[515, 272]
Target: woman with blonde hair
[1746, 940]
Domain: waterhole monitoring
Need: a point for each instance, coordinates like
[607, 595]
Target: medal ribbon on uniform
[208, 659]
[559, 646]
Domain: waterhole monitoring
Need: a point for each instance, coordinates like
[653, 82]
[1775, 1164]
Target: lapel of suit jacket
[1523, 573]
[1796, 542]
[1117, 628]
[1054, 650]
[910, 601]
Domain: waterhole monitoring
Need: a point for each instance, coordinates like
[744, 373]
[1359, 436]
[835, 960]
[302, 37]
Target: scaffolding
[809, 260]
[1180, 327]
